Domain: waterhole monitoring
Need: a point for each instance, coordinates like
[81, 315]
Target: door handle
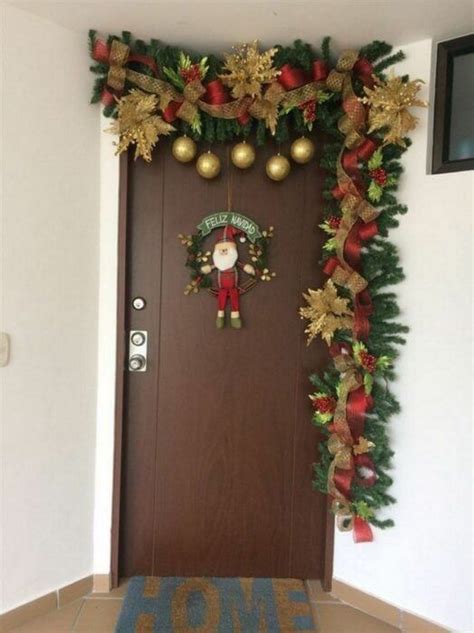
[137, 350]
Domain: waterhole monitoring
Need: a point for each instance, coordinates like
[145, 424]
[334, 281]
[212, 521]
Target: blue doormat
[215, 605]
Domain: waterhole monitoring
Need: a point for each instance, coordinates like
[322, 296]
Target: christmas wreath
[150, 89]
[197, 256]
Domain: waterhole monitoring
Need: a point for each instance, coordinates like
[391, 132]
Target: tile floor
[98, 613]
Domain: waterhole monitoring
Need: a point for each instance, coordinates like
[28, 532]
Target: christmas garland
[151, 89]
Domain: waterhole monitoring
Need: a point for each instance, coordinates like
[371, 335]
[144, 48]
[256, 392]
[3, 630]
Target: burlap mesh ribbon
[354, 208]
[265, 107]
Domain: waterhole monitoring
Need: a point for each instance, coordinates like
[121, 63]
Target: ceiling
[214, 26]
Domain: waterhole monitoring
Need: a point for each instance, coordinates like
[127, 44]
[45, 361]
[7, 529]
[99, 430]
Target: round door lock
[136, 362]
[139, 303]
[138, 338]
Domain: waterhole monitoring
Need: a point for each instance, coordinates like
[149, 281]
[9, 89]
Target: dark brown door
[217, 444]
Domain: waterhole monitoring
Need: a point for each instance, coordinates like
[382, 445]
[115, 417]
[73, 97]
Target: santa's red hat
[228, 234]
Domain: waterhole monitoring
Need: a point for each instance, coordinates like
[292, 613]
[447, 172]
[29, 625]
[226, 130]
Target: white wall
[424, 564]
[50, 285]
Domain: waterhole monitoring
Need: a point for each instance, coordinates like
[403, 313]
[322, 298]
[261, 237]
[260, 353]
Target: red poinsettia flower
[368, 361]
[379, 175]
[309, 110]
[191, 73]
[334, 222]
[324, 404]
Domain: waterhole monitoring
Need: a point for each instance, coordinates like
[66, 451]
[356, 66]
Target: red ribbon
[101, 53]
[362, 531]
[169, 113]
[291, 78]
[107, 98]
[358, 403]
[320, 70]
[364, 69]
[216, 93]
[363, 309]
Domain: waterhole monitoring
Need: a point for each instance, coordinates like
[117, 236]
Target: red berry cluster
[325, 404]
[191, 73]
[334, 222]
[379, 175]
[368, 361]
[309, 110]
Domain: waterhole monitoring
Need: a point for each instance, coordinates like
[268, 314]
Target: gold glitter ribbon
[264, 107]
[353, 207]
[352, 125]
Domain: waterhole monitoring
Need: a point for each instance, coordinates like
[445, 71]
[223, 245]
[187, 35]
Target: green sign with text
[223, 218]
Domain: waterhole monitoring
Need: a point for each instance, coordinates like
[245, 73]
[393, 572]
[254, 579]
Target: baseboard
[45, 604]
[404, 620]
[102, 583]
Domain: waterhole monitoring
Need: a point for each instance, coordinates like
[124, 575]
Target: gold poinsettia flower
[388, 103]
[247, 70]
[137, 124]
[326, 312]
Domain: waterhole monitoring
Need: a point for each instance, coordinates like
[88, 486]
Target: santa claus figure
[226, 261]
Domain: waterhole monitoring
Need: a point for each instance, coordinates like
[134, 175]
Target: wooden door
[217, 441]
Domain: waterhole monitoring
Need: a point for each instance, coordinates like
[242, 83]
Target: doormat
[215, 605]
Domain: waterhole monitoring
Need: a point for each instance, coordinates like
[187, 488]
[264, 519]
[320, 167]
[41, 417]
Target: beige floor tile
[317, 594]
[98, 616]
[58, 621]
[119, 592]
[339, 618]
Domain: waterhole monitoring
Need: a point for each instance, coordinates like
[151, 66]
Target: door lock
[137, 350]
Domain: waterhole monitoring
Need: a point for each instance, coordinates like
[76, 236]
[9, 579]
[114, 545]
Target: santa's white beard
[224, 262]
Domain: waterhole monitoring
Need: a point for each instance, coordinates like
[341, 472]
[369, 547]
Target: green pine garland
[380, 264]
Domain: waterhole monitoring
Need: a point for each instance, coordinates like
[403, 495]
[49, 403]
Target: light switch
[4, 349]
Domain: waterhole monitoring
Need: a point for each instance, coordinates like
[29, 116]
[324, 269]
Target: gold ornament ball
[184, 149]
[243, 155]
[278, 167]
[302, 150]
[208, 165]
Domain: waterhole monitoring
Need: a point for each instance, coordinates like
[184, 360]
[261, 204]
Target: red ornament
[324, 404]
[368, 361]
[334, 222]
[379, 175]
[191, 73]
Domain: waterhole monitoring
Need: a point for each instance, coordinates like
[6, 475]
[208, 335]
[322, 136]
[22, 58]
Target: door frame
[120, 368]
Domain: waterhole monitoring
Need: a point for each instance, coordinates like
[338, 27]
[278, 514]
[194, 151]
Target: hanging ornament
[278, 167]
[302, 150]
[184, 149]
[208, 165]
[243, 155]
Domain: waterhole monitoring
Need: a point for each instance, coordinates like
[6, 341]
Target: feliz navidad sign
[224, 218]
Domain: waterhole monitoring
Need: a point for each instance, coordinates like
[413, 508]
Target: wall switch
[4, 349]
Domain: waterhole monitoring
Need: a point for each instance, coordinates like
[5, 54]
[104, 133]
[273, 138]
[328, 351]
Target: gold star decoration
[363, 446]
[326, 312]
[388, 103]
[137, 124]
[247, 70]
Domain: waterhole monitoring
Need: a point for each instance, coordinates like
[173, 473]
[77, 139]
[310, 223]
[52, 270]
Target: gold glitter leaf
[137, 124]
[363, 446]
[247, 70]
[326, 312]
[388, 107]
